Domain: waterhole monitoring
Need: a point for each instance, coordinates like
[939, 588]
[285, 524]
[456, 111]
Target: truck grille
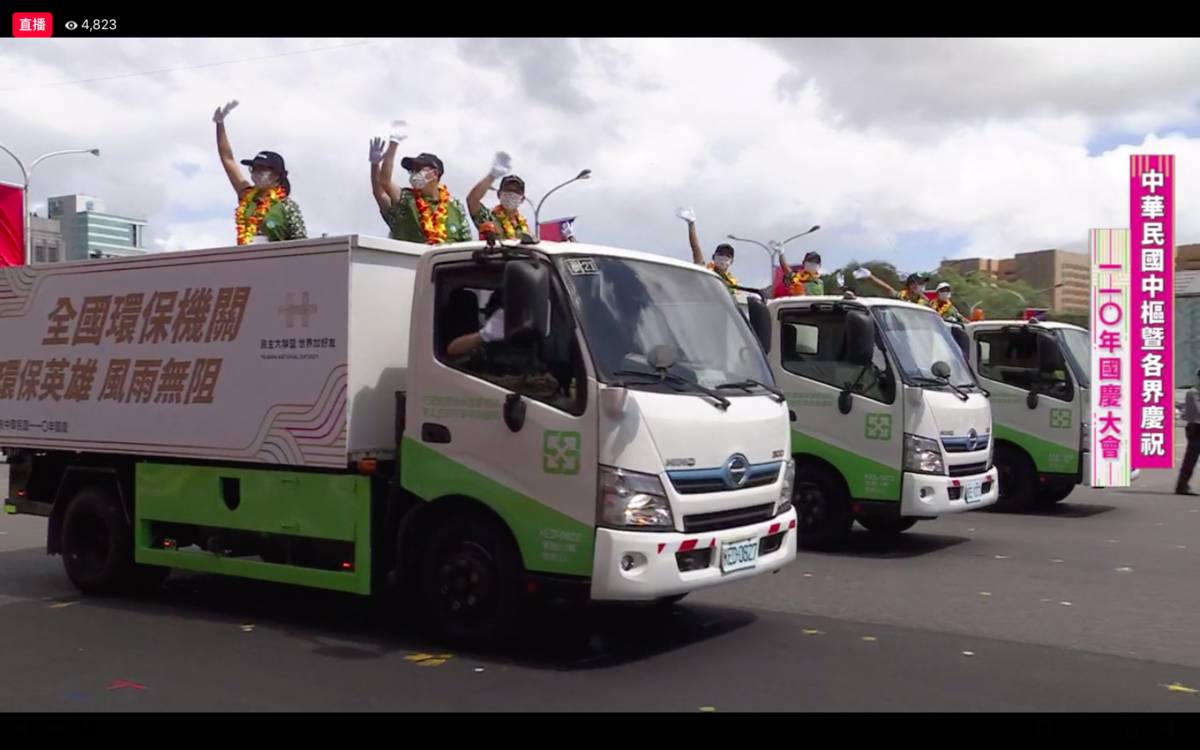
[964, 470]
[697, 481]
[959, 444]
[727, 519]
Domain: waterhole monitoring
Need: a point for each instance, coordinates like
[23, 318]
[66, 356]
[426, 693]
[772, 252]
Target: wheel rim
[465, 582]
[811, 505]
[89, 543]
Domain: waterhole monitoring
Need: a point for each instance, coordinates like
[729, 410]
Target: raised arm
[233, 170]
[381, 196]
[689, 216]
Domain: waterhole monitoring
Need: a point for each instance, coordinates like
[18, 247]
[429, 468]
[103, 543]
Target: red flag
[12, 225]
[779, 287]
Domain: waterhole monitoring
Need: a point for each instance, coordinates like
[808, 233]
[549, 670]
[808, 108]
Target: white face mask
[419, 179]
[510, 201]
[262, 179]
[943, 296]
[813, 268]
[722, 262]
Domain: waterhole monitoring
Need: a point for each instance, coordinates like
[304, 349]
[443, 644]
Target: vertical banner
[1111, 391]
[1152, 292]
[12, 225]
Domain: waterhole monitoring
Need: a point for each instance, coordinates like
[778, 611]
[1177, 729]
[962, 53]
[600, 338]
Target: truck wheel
[823, 508]
[1017, 477]
[469, 583]
[1055, 490]
[97, 547]
[887, 525]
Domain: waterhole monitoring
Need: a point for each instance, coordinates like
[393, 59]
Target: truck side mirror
[859, 338]
[526, 300]
[760, 321]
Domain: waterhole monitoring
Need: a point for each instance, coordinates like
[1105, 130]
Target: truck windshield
[918, 338]
[1078, 348]
[637, 313]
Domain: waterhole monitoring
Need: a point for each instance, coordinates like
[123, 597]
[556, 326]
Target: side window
[550, 370]
[811, 346]
[1025, 360]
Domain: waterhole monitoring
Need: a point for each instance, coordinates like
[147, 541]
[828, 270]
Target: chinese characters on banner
[1110, 393]
[1152, 290]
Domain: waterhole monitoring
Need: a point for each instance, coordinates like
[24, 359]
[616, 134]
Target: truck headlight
[785, 492]
[630, 500]
[922, 455]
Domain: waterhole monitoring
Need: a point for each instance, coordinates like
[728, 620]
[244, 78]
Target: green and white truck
[889, 424]
[291, 413]
[1039, 373]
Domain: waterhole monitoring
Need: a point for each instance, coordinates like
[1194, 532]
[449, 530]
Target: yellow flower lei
[247, 222]
[506, 223]
[433, 220]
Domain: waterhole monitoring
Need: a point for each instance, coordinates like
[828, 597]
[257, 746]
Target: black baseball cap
[512, 182]
[724, 249]
[916, 278]
[812, 256]
[267, 159]
[413, 163]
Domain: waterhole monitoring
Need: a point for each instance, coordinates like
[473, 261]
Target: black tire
[469, 581]
[671, 601]
[1018, 479]
[1055, 491]
[887, 525]
[822, 508]
[97, 547]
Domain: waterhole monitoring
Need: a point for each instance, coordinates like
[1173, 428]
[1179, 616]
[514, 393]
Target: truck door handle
[435, 433]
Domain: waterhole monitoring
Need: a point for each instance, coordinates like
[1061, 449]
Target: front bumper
[925, 495]
[657, 558]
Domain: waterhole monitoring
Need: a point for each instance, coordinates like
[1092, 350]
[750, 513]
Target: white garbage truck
[327, 413]
[889, 425]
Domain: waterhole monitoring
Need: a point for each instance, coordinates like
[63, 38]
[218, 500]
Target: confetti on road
[1056, 560]
[123, 684]
[1124, 569]
[478, 669]
[1001, 557]
[808, 575]
[1180, 546]
[985, 593]
[708, 709]
[870, 638]
[428, 660]
[60, 605]
[968, 653]
[1175, 687]
[1065, 604]
[248, 628]
[811, 631]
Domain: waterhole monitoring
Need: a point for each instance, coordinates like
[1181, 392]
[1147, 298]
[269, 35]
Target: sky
[903, 150]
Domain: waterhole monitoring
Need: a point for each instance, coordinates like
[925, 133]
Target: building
[1187, 257]
[47, 239]
[89, 232]
[1042, 270]
[1187, 327]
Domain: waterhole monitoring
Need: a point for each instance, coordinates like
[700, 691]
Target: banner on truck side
[236, 355]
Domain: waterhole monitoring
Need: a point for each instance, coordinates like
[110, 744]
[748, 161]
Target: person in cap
[426, 213]
[506, 216]
[913, 291]
[943, 306]
[265, 211]
[722, 257]
[806, 280]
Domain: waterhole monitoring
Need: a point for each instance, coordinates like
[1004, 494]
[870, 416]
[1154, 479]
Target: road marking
[1175, 687]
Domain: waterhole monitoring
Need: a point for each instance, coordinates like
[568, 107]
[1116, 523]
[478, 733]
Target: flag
[778, 287]
[558, 230]
[12, 225]
[1034, 313]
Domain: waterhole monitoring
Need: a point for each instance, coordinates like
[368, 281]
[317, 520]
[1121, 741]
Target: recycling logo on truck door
[560, 452]
[1060, 419]
[878, 427]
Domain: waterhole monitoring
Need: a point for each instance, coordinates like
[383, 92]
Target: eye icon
[71, 25]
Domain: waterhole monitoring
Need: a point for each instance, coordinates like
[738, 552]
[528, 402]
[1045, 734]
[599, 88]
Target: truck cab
[889, 425]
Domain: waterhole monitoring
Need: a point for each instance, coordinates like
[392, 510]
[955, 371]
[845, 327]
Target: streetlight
[778, 246]
[25, 173]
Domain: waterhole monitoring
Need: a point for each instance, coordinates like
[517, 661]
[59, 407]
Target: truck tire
[823, 508]
[887, 525]
[1055, 491]
[1017, 477]
[469, 581]
[97, 547]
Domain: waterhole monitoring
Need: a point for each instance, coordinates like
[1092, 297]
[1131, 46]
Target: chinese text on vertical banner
[1152, 288]
[1111, 393]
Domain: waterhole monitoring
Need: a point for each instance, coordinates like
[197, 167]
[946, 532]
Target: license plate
[739, 555]
[973, 492]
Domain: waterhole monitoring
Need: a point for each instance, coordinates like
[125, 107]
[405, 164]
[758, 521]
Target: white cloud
[873, 139]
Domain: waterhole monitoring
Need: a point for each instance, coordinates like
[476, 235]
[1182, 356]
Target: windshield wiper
[922, 380]
[667, 377]
[748, 384]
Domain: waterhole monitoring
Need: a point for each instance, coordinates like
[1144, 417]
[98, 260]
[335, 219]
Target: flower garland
[799, 281]
[941, 308]
[247, 221]
[728, 277]
[433, 220]
[506, 222]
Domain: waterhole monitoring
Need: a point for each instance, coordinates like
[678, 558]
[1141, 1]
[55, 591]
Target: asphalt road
[1089, 607]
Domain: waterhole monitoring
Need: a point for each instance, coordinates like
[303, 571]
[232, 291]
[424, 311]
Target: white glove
[777, 246]
[493, 329]
[501, 165]
[841, 279]
[399, 131]
[219, 115]
[376, 150]
[686, 214]
[862, 273]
